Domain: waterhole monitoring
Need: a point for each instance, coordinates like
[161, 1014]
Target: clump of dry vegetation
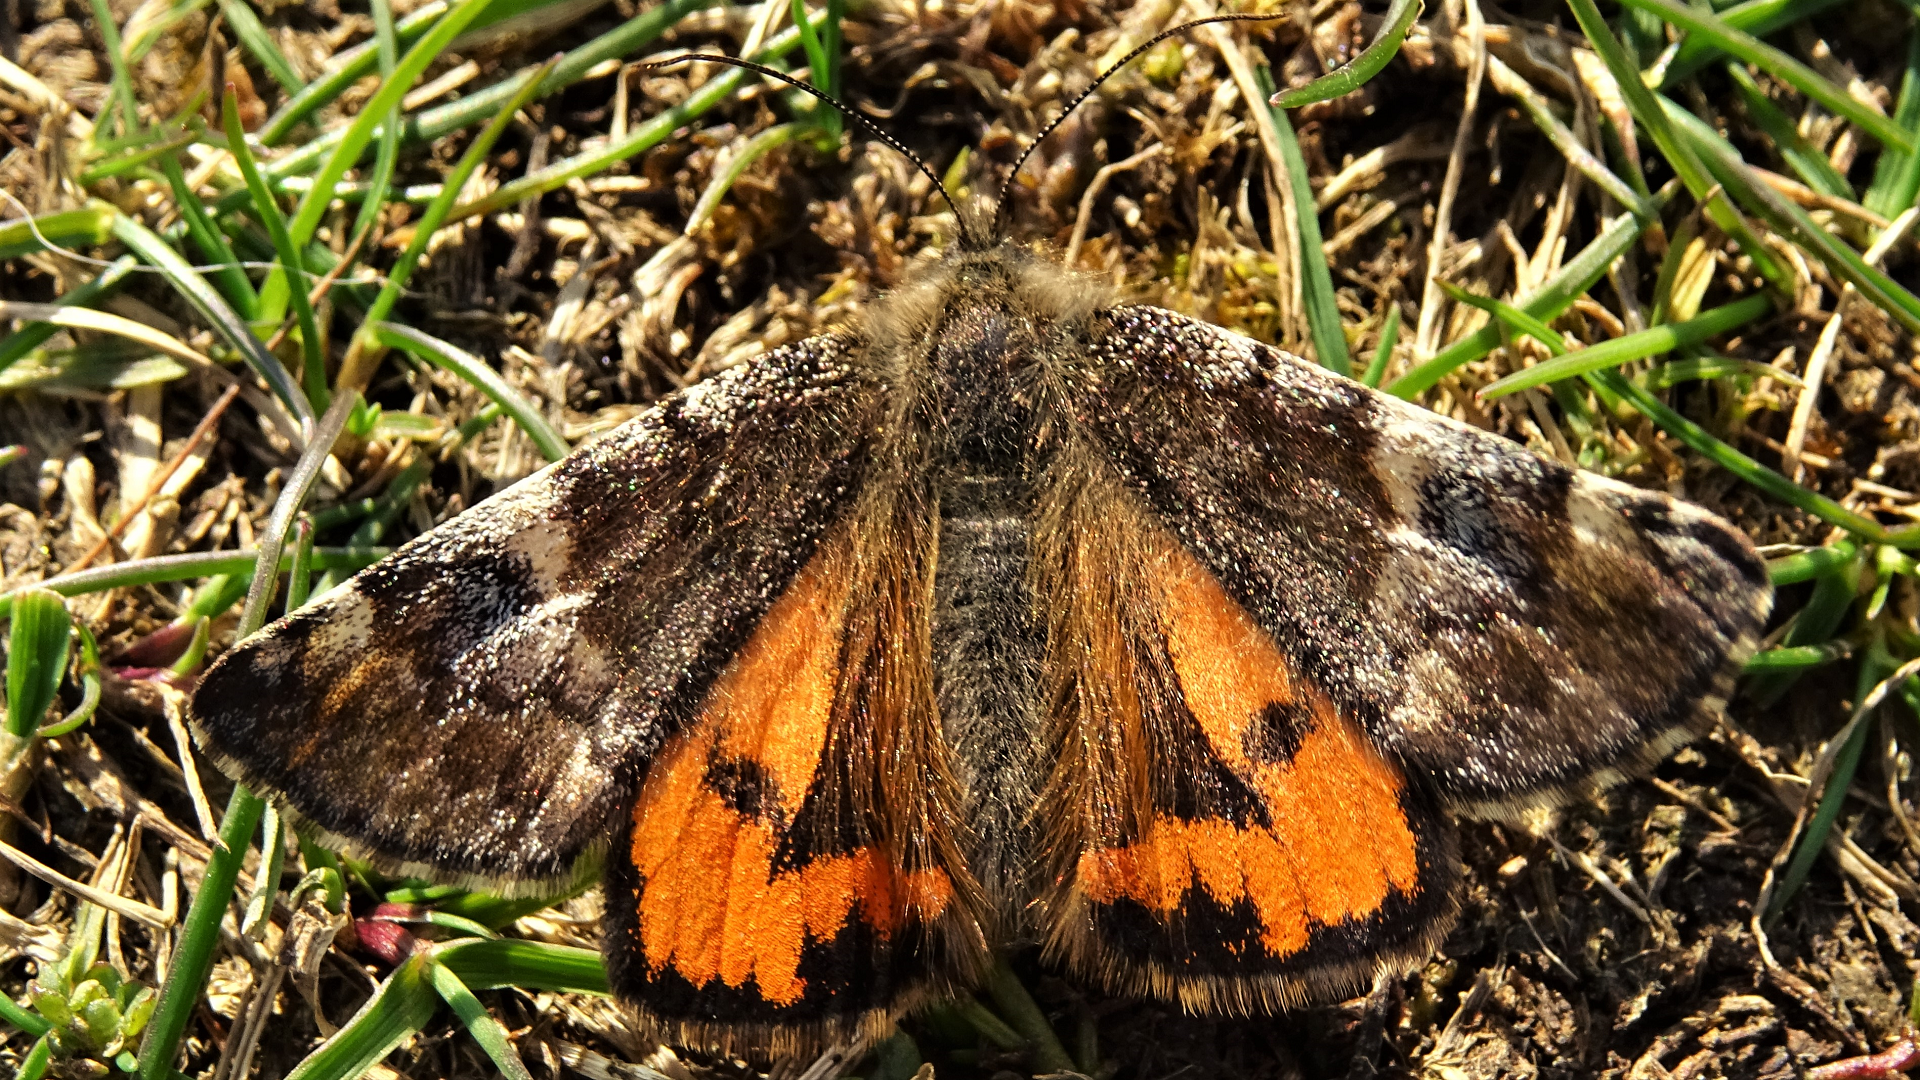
[1657, 241]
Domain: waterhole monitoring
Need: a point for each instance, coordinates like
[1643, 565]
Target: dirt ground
[1615, 938]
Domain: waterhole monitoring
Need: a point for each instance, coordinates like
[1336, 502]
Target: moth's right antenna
[967, 239]
[1006, 188]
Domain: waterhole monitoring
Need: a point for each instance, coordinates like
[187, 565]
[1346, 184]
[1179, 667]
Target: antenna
[1006, 188]
[967, 238]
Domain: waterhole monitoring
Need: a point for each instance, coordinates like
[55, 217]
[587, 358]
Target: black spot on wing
[744, 787]
[464, 597]
[1276, 734]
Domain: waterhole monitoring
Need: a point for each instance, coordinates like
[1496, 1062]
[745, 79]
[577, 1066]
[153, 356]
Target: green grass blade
[255, 39]
[1552, 298]
[1757, 17]
[227, 272]
[1685, 163]
[122, 80]
[482, 104]
[1353, 75]
[756, 148]
[1323, 307]
[1801, 156]
[435, 214]
[191, 565]
[491, 963]
[110, 167]
[198, 943]
[402, 1005]
[157, 253]
[1807, 565]
[483, 378]
[388, 156]
[89, 226]
[1570, 147]
[1787, 219]
[488, 1032]
[1896, 175]
[314, 364]
[1703, 368]
[38, 643]
[1736, 42]
[1637, 346]
[361, 132]
[35, 334]
[1704, 442]
[1383, 353]
[1797, 659]
[642, 138]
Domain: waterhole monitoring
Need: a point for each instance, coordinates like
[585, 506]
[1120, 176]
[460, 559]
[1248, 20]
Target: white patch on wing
[348, 627]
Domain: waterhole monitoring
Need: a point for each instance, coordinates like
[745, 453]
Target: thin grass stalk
[35, 334]
[640, 139]
[122, 80]
[1801, 156]
[475, 108]
[483, 378]
[1685, 163]
[1787, 219]
[314, 363]
[228, 274]
[1704, 24]
[1551, 299]
[1896, 175]
[1323, 307]
[255, 39]
[1759, 18]
[159, 254]
[365, 126]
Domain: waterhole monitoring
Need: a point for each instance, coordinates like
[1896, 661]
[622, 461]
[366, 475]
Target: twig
[141, 913]
[1426, 338]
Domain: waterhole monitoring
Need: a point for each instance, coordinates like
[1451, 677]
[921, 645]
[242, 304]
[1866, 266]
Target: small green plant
[96, 1019]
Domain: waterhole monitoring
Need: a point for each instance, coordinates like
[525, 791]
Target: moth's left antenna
[967, 238]
[1006, 187]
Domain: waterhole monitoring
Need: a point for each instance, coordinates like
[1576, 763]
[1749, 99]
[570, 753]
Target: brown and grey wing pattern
[523, 666]
[1510, 630]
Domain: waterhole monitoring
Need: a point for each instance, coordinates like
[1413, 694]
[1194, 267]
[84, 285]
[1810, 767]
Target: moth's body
[1007, 613]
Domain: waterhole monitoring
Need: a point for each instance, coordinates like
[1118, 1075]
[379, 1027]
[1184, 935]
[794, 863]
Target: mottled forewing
[1509, 629]
[482, 704]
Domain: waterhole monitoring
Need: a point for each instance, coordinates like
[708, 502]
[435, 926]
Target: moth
[1008, 612]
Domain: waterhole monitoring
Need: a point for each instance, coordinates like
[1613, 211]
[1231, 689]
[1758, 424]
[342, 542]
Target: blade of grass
[38, 643]
[1797, 658]
[492, 963]
[1549, 301]
[1807, 565]
[1896, 175]
[1355, 73]
[351, 65]
[1702, 23]
[255, 39]
[314, 363]
[1322, 307]
[640, 139]
[403, 1004]
[191, 565]
[35, 334]
[227, 272]
[1509, 82]
[385, 159]
[1680, 156]
[482, 104]
[357, 368]
[1703, 368]
[89, 226]
[109, 167]
[122, 79]
[193, 957]
[1383, 353]
[1629, 347]
[1736, 462]
[824, 65]
[1801, 156]
[158, 254]
[1690, 433]
[485, 1030]
[1757, 17]
[364, 126]
[483, 378]
[1790, 221]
